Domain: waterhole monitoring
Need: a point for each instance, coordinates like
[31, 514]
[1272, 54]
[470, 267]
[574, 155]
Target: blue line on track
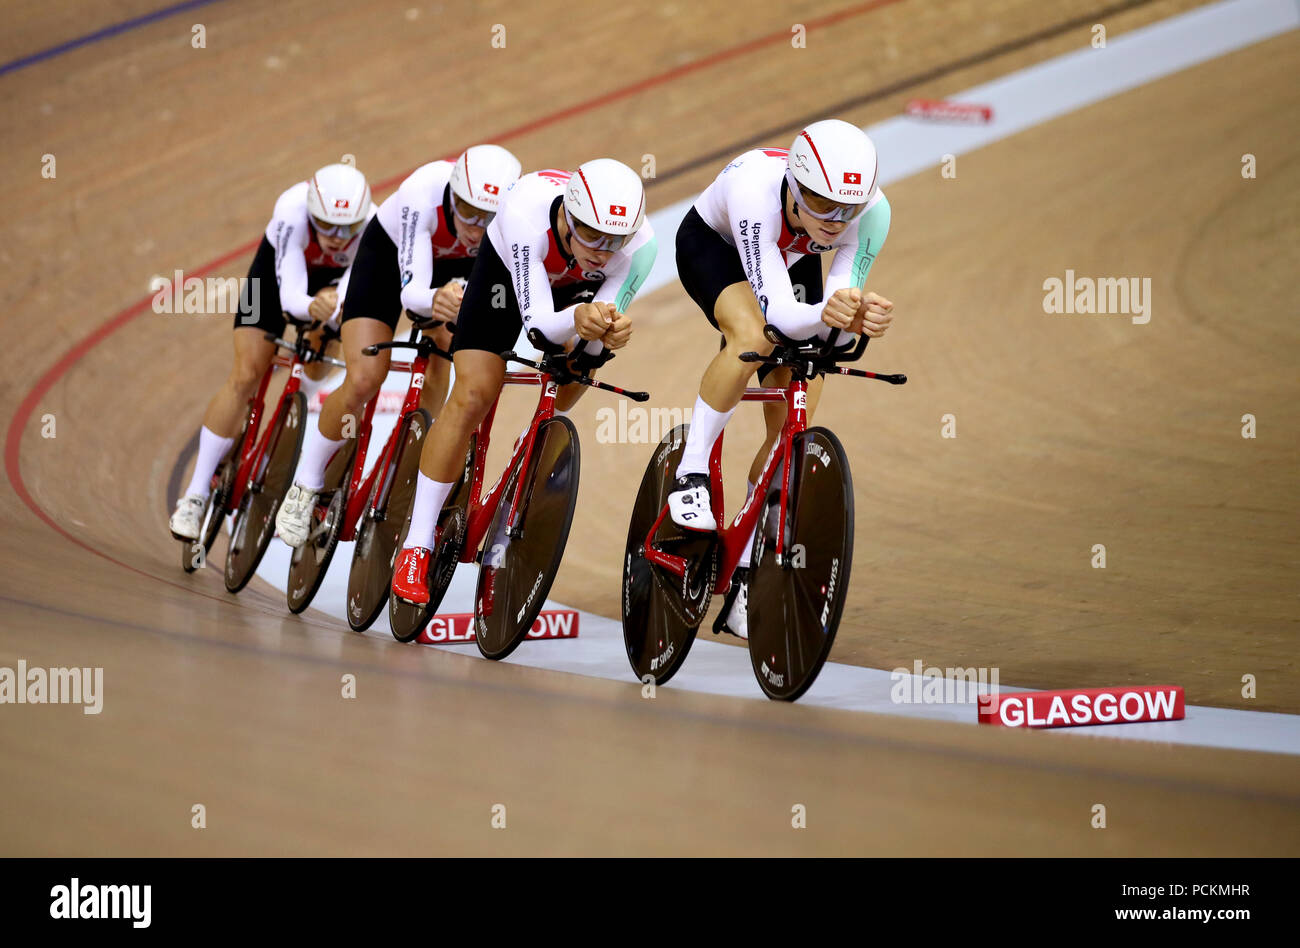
[104, 33]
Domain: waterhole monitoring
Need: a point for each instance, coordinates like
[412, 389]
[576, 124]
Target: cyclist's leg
[437, 375]
[258, 315]
[483, 330]
[371, 309]
[711, 272]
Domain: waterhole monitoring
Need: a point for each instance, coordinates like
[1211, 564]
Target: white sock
[430, 495]
[316, 453]
[212, 448]
[706, 427]
[749, 544]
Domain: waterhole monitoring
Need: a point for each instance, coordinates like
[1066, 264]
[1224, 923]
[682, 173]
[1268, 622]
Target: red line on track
[13, 438]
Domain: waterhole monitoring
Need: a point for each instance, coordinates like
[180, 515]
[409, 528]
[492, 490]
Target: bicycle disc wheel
[518, 571]
[214, 514]
[253, 525]
[795, 607]
[311, 561]
[405, 619]
[662, 611]
[375, 552]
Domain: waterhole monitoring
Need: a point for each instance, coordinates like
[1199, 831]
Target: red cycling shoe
[411, 577]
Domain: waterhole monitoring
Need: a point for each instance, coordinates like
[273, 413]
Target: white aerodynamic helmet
[482, 174]
[339, 195]
[836, 161]
[606, 195]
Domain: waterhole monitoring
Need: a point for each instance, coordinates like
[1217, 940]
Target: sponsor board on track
[1081, 706]
[457, 628]
[940, 111]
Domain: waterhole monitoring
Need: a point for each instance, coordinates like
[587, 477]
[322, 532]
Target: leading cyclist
[748, 253]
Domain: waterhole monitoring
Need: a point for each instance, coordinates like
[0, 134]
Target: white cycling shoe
[734, 617]
[187, 520]
[293, 519]
[689, 503]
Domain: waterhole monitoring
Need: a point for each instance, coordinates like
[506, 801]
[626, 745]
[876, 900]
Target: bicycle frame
[483, 509]
[733, 539]
[359, 490]
[254, 449]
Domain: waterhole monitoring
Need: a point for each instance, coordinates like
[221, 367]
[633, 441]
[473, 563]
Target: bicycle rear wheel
[375, 553]
[662, 611]
[795, 606]
[517, 571]
[253, 525]
[311, 561]
[406, 620]
[214, 514]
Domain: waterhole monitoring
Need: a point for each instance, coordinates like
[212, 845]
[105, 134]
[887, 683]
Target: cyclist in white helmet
[305, 251]
[749, 253]
[415, 256]
[571, 250]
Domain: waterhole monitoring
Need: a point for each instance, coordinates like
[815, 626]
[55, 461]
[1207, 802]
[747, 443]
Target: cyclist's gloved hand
[592, 320]
[324, 303]
[874, 315]
[446, 300]
[620, 330]
[842, 308]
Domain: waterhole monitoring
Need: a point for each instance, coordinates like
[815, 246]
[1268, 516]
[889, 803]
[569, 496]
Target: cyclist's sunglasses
[604, 242]
[838, 211]
[469, 215]
[336, 230]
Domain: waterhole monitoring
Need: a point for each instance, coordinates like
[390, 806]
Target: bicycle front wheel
[311, 561]
[254, 522]
[795, 605]
[407, 620]
[375, 553]
[518, 569]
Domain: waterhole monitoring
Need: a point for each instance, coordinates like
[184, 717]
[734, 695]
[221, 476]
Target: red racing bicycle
[255, 474]
[364, 507]
[518, 531]
[802, 549]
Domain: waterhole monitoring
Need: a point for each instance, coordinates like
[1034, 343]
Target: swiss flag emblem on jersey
[340, 204]
[491, 189]
[852, 177]
[618, 210]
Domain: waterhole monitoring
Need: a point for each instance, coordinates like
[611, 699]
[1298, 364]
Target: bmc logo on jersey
[340, 204]
[852, 177]
[618, 210]
[491, 189]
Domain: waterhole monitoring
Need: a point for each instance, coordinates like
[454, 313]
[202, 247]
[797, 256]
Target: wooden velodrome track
[970, 551]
